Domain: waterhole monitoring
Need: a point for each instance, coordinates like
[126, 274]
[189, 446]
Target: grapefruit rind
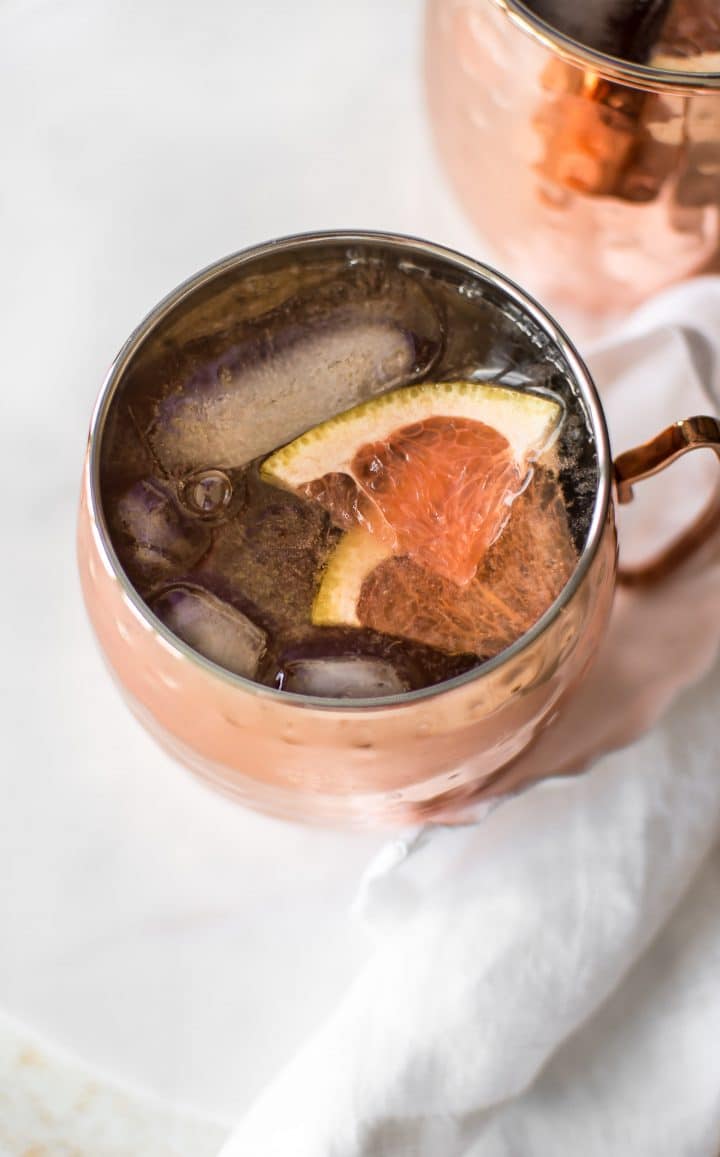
[529, 422]
[354, 558]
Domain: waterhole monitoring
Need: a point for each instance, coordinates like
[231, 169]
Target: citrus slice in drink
[520, 576]
[430, 471]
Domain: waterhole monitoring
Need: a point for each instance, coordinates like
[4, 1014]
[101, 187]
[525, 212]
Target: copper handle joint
[642, 462]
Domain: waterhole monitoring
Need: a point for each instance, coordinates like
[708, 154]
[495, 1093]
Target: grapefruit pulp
[430, 472]
[520, 576]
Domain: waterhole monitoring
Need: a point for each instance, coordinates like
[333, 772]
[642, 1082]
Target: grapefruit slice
[430, 470]
[521, 575]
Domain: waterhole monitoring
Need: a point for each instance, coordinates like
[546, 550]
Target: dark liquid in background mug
[638, 30]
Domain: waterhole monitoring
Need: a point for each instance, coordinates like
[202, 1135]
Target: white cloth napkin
[506, 1011]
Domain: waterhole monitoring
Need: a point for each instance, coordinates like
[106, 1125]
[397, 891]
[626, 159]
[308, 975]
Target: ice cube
[350, 677]
[214, 628]
[156, 533]
[314, 360]
[623, 28]
[489, 339]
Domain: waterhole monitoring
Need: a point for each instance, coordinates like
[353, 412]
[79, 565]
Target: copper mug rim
[408, 244]
[643, 76]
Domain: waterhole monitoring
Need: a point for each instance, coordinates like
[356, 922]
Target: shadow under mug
[595, 180]
[401, 758]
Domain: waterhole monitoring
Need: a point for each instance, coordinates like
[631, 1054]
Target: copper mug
[412, 755]
[596, 181]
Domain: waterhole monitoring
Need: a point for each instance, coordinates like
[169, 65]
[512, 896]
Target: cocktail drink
[353, 488]
[346, 534]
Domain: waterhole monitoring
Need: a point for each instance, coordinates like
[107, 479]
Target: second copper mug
[409, 755]
[595, 181]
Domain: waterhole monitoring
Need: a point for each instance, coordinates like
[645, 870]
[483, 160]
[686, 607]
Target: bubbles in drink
[207, 493]
[348, 477]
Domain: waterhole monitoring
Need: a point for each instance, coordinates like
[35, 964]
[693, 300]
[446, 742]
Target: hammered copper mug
[378, 761]
[596, 181]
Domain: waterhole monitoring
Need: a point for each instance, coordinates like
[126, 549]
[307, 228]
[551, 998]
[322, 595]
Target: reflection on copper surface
[590, 129]
[690, 37]
[593, 190]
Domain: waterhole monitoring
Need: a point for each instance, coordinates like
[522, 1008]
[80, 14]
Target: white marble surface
[141, 142]
[174, 942]
[51, 1105]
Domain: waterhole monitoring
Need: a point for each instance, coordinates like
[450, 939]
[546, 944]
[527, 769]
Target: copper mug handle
[642, 462]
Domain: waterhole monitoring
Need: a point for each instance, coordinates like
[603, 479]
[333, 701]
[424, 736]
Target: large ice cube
[314, 360]
[156, 534]
[214, 628]
[624, 28]
[350, 677]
